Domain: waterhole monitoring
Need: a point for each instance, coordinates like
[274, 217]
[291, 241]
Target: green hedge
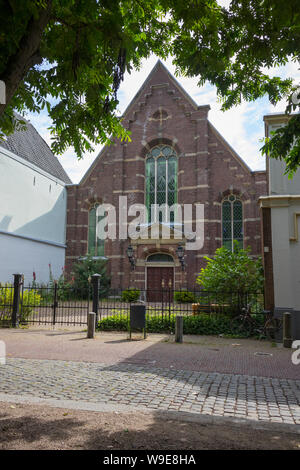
[31, 298]
[130, 295]
[115, 322]
[192, 325]
[184, 296]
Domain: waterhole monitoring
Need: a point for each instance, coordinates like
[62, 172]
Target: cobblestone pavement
[242, 396]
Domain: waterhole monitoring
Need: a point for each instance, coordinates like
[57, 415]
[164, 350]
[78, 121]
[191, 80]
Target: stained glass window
[161, 179]
[232, 221]
[95, 244]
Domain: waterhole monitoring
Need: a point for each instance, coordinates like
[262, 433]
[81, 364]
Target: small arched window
[160, 258]
[95, 244]
[232, 221]
[161, 179]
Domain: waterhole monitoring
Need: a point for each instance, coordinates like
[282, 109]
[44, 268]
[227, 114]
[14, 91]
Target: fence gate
[42, 305]
[53, 306]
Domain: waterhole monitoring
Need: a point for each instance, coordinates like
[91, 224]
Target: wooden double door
[160, 280]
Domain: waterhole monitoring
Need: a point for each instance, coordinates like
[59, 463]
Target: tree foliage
[235, 48]
[70, 57]
[232, 272]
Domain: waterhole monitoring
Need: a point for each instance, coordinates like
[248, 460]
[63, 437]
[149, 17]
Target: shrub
[30, 299]
[130, 295]
[81, 273]
[232, 272]
[114, 322]
[231, 276]
[192, 324]
[63, 287]
[184, 296]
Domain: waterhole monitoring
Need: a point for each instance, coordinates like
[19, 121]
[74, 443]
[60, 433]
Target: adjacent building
[33, 203]
[280, 212]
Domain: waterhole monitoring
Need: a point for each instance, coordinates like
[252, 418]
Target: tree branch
[27, 56]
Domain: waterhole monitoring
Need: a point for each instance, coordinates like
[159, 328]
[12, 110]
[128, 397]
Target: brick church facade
[175, 156]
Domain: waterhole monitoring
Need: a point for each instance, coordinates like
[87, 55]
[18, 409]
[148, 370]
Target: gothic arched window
[161, 179]
[232, 221]
[95, 244]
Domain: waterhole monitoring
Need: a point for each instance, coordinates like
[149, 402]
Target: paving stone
[258, 398]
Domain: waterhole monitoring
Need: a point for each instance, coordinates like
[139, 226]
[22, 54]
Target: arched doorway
[159, 275]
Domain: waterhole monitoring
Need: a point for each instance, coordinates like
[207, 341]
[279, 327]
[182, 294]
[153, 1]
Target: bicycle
[272, 327]
[244, 323]
[248, 325]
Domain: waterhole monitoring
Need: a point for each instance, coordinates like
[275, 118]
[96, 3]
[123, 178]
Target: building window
[95, 244]
[232, 221]
[160, 258]
[161, 179]
[160, 116]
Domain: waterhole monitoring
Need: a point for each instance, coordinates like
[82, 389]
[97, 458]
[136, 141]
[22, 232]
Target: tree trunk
[27, 56]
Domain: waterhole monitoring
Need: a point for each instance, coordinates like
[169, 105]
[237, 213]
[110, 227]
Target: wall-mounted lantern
[131, 258]
[180, 254]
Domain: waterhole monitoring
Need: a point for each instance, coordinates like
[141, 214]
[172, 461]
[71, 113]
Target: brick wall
[208, 170]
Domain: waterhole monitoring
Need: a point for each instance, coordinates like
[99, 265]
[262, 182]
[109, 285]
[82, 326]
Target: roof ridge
[31, 146]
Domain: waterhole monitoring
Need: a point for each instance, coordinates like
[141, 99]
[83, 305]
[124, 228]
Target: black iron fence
[6, 304]
[57, 304]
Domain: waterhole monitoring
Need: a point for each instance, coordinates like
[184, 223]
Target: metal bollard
[91, 325]
[179, 330]
[287, 330]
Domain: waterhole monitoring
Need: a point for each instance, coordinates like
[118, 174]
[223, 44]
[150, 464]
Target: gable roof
[28, 144]
[230, 149]
[157, 66]
[160, 66]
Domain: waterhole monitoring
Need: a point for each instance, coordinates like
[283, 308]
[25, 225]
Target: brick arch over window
[232, 221]
[153, 250]
[159, 257]
[154, 140]
[89, 201]
[243, 196]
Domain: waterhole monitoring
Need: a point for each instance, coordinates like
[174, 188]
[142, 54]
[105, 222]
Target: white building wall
[25, 256]
[283, 266]
[284, 201]
[32, 220]
[295, 259]
[278, 181]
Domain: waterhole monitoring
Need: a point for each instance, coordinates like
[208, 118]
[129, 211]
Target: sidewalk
[197, 353]
[155, 388]
[213, 376]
